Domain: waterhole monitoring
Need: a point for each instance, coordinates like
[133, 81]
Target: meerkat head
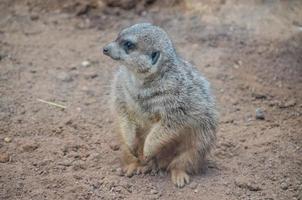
[142, 48]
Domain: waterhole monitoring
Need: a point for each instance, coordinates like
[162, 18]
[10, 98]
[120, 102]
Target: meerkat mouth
[114, 58]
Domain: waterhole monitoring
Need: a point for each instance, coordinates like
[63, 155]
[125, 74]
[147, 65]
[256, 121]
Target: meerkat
[165, 110]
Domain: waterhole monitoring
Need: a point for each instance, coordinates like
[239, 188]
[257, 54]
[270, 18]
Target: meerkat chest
[138, 110]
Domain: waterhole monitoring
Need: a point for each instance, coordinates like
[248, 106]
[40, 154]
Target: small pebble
[284, 186]
[114, 146]
[91, 75]
[65, 77]
[259, 96]
[260, 114]
[65, 163]
[85, 63]
[162, 173]
[30, 147]
[251, 185]
[4, 157]
[193, 185]
[119, 172]
[34, 17]
[80, 165]
[77, 177]
[153, 191]
[2, 56]
[289, 103]
[7, 139]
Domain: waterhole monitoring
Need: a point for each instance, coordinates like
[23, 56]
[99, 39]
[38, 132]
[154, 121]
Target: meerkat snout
[105, 50]
[112, 51]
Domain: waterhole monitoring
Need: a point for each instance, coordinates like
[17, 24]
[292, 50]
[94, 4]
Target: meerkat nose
[105, 50]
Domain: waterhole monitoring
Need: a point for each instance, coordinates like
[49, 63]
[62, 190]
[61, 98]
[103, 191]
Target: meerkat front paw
[147, 168]
[144, 169]
[130, 169]
[179, 178]
[137, 168]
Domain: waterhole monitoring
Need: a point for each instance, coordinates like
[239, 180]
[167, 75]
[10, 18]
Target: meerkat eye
[154, 57]
[128, 45]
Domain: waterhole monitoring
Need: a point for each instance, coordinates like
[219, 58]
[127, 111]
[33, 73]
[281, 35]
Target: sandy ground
[251, 52]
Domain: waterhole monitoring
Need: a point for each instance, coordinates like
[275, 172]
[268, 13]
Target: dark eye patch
[128, 45]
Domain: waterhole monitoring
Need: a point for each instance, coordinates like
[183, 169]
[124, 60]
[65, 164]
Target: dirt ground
[250, 51]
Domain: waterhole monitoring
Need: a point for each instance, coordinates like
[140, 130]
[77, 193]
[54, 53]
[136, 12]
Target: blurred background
[58, 138]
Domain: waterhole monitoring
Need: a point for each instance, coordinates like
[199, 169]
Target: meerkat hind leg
[186, 162]
[178, 168]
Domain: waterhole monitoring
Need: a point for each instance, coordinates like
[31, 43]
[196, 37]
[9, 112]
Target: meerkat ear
[154, 57]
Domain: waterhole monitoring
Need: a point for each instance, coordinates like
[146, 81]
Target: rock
[162, 173]
[77, 177]
[228, 121]
[33, 71]
[65, 77]
[65, 163]
[245, 183]
[91, 75]
[7, 139]
[83, 8]
[124, 4]
[260, 114]
[30, 147]
[288, 104]
[96, 185]
[284, 186]
[85, 63]
[274, 103]
[154, 172]
[193, 185]
[4, 157]
[153, 191]
[34, 17]
[114, 146]
[259, 96]
[236, 66]
[2, 56]
[79, 165]
[119, 172]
